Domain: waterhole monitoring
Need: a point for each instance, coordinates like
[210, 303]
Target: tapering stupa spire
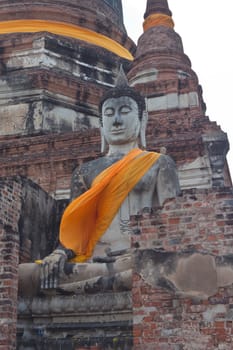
[157, 14]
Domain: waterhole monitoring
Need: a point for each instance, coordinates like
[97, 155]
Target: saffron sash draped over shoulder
[87, 218]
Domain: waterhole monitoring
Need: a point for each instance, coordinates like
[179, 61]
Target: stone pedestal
[100, 321]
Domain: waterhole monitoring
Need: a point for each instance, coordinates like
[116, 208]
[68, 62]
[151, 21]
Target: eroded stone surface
[103, 319]
[195, 275]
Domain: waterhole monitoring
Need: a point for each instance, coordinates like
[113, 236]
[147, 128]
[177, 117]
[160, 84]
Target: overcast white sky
[205, 27]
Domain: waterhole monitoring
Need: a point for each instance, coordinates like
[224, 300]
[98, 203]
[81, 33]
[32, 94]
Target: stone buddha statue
[95, 234]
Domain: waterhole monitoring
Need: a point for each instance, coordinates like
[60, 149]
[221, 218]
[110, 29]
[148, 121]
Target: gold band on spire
[158, 19]
[64, 29]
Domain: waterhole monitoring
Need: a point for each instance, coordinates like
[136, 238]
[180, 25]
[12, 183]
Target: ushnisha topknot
[122, 88]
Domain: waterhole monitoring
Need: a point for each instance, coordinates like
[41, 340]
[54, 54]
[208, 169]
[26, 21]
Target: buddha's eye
[109, 112]
[125, 110]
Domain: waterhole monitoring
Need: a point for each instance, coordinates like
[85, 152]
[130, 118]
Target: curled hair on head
[122, 88]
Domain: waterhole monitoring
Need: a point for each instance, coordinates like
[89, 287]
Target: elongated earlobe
[143, 129]
[103, 141]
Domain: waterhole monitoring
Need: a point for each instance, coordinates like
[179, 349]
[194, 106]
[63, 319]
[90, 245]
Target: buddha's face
[121, 123]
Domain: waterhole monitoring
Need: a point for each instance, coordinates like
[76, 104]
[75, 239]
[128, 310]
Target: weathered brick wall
[28, 223]
[200, 220]
[166, 318]
[165, 321]
[180, 131]
[10, 206]
[48, 160]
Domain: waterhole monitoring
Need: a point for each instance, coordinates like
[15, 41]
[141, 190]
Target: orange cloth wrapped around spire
[87, 218]
[158, 19]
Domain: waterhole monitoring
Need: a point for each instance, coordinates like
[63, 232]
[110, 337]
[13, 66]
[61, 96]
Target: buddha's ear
[143, 129]
[103, 141]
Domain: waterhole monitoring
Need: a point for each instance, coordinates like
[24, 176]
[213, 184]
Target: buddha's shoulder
[164, 161]
[96, 166]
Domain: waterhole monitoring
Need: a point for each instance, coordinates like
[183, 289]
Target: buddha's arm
[78, 185]
[53, 265]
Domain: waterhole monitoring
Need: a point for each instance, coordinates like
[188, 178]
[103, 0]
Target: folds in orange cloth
[87, 218]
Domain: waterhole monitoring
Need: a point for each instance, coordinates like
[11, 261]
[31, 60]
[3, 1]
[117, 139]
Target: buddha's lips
[117, 131]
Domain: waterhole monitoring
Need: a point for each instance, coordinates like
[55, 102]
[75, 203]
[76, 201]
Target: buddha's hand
[52, 268]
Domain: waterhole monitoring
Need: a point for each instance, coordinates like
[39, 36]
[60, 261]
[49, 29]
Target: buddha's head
[123, 116]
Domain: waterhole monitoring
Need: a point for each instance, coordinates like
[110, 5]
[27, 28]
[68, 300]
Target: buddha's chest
[147, 182]
[117, 236]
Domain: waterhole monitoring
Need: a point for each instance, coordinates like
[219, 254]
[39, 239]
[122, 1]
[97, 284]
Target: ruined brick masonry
[171, 313]
[27, 214]
[10, 207]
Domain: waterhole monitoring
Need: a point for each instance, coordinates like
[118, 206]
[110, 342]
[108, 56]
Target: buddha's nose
[117, 120]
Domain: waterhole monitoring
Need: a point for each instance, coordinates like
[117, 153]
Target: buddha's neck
[121, 149]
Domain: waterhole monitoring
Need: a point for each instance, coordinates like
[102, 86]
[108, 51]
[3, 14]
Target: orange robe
[87, 218]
